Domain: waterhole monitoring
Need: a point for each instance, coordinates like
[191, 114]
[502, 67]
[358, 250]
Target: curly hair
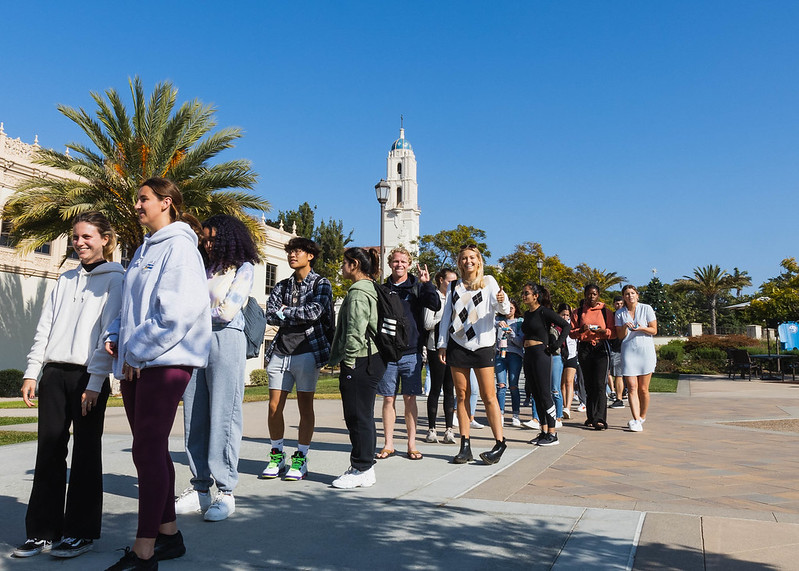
[233, 244]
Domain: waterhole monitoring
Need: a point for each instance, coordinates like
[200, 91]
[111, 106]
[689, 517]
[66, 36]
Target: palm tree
[585, 274]
[157, 140]
[710, 282]
[740, 280]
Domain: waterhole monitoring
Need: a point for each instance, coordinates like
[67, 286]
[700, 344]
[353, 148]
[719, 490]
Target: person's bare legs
[643, 393]
[567, 386]
[277, 402]
[485, 380]
[307, 417]
[460, 378]
[389, 420]
[411, 412]
[619, 388]
[633, 397]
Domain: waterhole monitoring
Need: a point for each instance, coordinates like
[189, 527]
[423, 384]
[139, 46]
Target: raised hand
[424, 274]
[501, 295]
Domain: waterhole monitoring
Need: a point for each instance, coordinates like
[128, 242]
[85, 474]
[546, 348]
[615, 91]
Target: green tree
[778, 298]
[710, 282]
[519, 267]
[585, 274]
[158, 139]
[740, 280]
[303, 217]
[329, 236]
[655, 294]
[441, 249]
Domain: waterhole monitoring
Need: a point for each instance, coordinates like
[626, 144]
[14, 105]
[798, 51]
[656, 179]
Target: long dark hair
[543, 294]
[233, 244]
[367, 260]
[566, 307]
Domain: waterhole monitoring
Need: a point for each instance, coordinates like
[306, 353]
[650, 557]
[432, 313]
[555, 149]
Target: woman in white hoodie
[68, 353]
[163, 334]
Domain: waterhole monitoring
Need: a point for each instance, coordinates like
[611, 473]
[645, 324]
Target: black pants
[594, 362]
[60, 391]
[537, 368]
[440, 377]
[358, 388]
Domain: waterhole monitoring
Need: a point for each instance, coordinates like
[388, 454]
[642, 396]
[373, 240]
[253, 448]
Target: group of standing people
[171, 327]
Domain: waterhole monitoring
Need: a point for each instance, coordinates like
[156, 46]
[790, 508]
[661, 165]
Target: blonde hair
[399, 250]
[479, 281]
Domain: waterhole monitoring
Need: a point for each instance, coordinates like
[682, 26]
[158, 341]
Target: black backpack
[254, 327]
[392, 326]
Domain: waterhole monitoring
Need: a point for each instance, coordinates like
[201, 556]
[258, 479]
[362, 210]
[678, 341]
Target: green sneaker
[299, 467]
[277, 461]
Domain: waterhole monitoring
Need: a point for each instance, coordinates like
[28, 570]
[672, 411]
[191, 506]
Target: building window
[71, 254]
[399, 168]
[125, 261]
[43, 249]
[5, 234]
[271, 278]
[399, 196]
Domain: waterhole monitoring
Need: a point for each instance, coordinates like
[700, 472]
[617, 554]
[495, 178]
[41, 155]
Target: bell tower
[401, 217]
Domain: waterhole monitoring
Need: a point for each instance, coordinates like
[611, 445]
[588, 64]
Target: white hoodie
[75, 315]
[166, 318]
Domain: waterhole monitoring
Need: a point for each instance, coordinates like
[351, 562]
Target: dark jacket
[416, 296]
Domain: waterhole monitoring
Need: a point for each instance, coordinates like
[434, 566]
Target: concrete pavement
[690, 492]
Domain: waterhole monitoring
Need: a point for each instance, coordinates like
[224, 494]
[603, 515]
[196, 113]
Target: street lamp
[540, 265]
[382, 189]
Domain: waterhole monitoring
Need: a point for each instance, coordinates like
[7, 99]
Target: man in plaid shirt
[302, 306]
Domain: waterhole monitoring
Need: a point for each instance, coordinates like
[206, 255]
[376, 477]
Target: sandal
[385, 453]
[600, 425]
[414, 455]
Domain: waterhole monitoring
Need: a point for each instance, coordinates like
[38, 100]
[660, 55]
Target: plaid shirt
[312, 309]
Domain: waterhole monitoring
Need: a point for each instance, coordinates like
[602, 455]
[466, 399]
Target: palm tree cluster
[710, 282]
[158, 139]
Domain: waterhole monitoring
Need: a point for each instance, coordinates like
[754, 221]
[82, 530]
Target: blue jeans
[212, 413]
[405, 375]
[555, 375]
[474, 388]
[507, 369]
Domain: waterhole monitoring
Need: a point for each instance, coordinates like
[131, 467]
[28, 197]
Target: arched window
[399, 168]
[399, 196]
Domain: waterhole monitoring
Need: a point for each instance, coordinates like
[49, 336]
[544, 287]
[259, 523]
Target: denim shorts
[615, 364]
[403, 376]
[286, 370]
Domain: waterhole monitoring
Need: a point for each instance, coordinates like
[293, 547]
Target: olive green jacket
[358, 311]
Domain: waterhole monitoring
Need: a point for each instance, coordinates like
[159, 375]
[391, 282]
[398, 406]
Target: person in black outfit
[539, 346]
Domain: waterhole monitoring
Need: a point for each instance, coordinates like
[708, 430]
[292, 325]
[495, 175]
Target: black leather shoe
[169, 546]
[465, 453]
[131, 562]
[493, 455]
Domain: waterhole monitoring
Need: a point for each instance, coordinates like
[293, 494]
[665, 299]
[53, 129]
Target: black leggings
[440, 377]
[537, 367]
[594, 363]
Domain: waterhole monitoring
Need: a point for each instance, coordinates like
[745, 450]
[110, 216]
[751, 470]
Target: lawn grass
[326, 388]
[664, 383]
[6, 420]
[14, 437]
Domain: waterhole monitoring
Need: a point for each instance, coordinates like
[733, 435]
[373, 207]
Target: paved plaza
[691, 492]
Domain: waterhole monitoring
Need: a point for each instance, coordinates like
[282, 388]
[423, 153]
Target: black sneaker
[612, 397]
[130, 562]
[71, 547]
[617, 404]
[33, 546]
[169, 546]
[548, 440]
[624, 394]
[538, 438]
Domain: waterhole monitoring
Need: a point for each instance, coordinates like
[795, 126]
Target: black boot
[493, 455]
[465, 454]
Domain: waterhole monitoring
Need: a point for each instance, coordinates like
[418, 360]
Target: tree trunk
[713, 314]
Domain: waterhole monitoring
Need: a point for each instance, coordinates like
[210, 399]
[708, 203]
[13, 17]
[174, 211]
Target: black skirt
[462, 358]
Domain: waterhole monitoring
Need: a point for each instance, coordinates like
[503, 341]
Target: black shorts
[462, 358]
[570, 363]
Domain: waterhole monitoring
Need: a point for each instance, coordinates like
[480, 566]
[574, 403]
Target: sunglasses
[468, 247]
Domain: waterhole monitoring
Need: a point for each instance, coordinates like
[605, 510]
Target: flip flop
[414, 455]
[385, 453]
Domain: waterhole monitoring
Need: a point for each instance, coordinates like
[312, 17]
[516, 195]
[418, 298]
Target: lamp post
[540, 265]
[381, 191]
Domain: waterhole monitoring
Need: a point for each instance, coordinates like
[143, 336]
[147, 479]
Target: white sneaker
[191, 501]
[635, 425]
[222, 507]
[643, 420]
[558, 423]
[516, 422]
[431, 436]
[475, 424]
[449, 437]
[277, 462]
[581, 408]
[299, 467]
[353, 478]
[567, 414]
[532, 423]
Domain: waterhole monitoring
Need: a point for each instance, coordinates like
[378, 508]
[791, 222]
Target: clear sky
[626, 135]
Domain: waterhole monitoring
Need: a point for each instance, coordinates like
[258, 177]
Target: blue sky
[626, 135]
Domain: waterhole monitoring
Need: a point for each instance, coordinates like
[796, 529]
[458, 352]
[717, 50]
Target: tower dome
[402, 142]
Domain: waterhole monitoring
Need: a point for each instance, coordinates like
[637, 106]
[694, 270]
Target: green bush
[10, 382]
[259, 378]
[709, 353]
[672, 351]
[723, 342]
